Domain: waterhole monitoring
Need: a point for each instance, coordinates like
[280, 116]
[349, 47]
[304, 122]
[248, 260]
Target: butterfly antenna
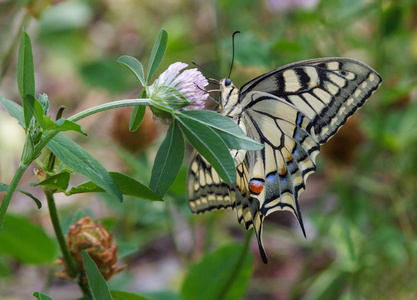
[233, 52]
[205, 70]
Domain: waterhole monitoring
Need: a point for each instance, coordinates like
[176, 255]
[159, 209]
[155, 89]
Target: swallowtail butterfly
[292, 110]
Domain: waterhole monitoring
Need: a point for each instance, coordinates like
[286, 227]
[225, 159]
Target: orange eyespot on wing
[256, 186]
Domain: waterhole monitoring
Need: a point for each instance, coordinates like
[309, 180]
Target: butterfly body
[291, 110]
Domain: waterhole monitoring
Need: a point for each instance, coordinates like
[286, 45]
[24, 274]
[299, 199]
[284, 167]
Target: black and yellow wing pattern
[292, 111]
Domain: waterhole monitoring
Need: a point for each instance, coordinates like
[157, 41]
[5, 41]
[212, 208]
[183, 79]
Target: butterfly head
[229, 95]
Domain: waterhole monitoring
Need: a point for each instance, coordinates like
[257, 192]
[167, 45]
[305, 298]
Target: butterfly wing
[207, 191]
[326, 90]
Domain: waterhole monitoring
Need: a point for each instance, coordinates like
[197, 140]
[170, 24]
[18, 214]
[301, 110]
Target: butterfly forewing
[327, 90]
[291, 111]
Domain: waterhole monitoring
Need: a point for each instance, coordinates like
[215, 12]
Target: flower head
[177, 90]
[93, 238]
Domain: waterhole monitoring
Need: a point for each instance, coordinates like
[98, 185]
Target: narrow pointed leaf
[4, 187]
[134, 66]
[98, 286]
[36, 200]
[35, 107]
[25, 74]
[206, 141]
[14, 109]
[128, 186]
[168, 160]
[28, 154]
[157, 53]
[59, 181]
[43, 100]
[79, 160]
[137, 114]
[67, 125]
[229, 131]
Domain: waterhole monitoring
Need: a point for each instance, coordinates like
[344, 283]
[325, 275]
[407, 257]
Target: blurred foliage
[360, 209]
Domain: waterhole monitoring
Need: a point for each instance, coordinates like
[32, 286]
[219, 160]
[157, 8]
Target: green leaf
[120, 295]
[137, 114]
[134, 66]
[45, 122]
[215, 273]
[157, 53]
[28, 154]
[210, 145]
[58, 181]
[4, 187]
[25, 74]
[37, 201]
[128, 186]
[229, 131]
[96, 282]
[66, 125]
[43, 100]
[26, 241]
[35, 107]
[14, 109]
[79, 160]
[168, 160]
[40, 296]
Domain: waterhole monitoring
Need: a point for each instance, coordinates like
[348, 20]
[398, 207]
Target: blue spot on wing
[299, 119]
[295, 151]
[296, 134]
[270, 178]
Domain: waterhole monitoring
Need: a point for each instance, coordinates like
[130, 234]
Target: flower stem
[107, 106]
[12, 187]
[53, 213]
[90, 111]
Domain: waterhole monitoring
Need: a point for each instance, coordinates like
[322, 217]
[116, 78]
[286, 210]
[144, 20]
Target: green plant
[210, 133]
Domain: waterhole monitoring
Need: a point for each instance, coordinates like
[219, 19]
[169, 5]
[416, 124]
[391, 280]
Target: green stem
[107, 106]
[72, 270]
[53, 213]
[236, 268]
[91, 111]
[12, 187]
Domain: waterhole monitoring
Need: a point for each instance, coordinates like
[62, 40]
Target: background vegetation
[359, 209]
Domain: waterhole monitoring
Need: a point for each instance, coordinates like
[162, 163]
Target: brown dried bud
[97, 242]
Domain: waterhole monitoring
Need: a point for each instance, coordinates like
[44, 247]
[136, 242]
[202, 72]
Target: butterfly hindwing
[206, 190]
[277, 173]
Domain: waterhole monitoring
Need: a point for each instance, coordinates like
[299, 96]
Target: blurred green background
[359, 209]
